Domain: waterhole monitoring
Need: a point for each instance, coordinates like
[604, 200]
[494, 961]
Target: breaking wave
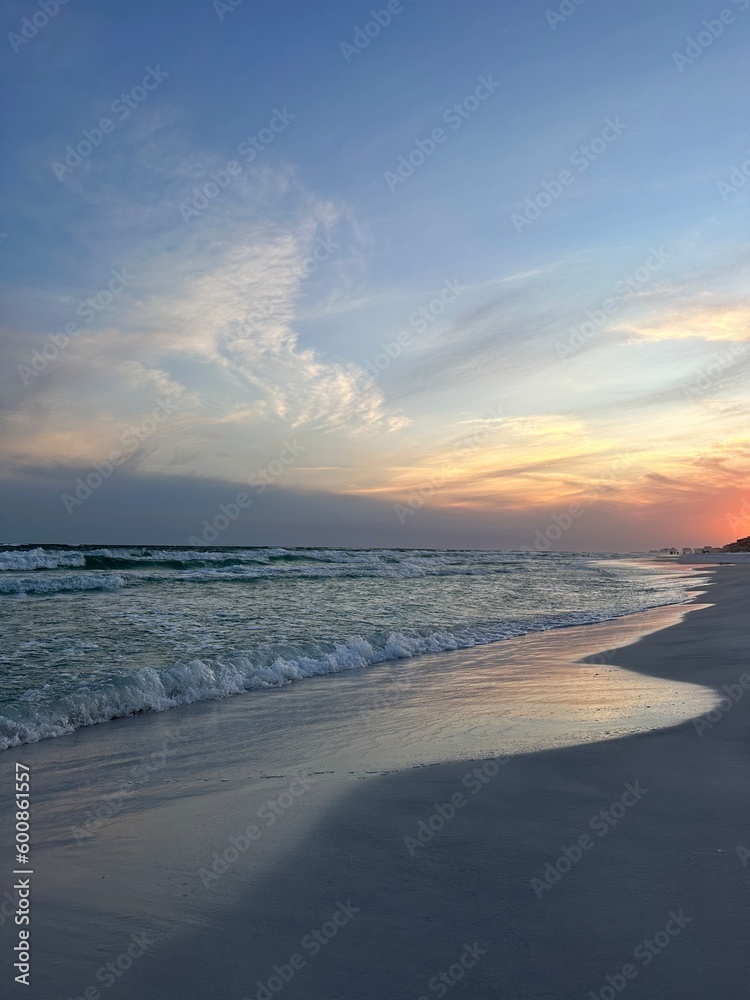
[44, 712]
[96, 633]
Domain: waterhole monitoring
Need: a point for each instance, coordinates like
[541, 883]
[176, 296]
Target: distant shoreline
[717, 558]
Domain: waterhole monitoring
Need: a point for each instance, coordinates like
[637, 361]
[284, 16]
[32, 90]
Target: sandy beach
[567, 818]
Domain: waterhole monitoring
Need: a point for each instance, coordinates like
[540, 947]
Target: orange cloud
[701, 323]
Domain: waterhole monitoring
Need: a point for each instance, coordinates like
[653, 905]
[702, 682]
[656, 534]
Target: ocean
[90, 634]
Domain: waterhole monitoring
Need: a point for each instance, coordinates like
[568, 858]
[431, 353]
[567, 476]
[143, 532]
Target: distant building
[741, 545]
[687, 552]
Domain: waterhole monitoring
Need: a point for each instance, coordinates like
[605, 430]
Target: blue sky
[572, 155]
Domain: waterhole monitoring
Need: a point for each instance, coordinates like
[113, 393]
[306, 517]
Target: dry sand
[283, 829]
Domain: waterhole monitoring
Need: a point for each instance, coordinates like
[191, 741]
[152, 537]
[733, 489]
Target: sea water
[91, 634]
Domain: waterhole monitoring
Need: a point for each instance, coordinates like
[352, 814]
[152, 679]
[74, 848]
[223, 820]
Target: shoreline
[340, 837]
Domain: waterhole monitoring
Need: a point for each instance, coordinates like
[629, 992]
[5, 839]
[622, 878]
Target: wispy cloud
[719, 322]
[210, 315]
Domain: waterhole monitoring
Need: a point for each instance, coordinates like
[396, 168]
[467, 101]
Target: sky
[412, 274]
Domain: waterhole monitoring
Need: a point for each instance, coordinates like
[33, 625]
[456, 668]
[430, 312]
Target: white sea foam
[59, 584]
[134, 570]
[38, 714]
[23, 560]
